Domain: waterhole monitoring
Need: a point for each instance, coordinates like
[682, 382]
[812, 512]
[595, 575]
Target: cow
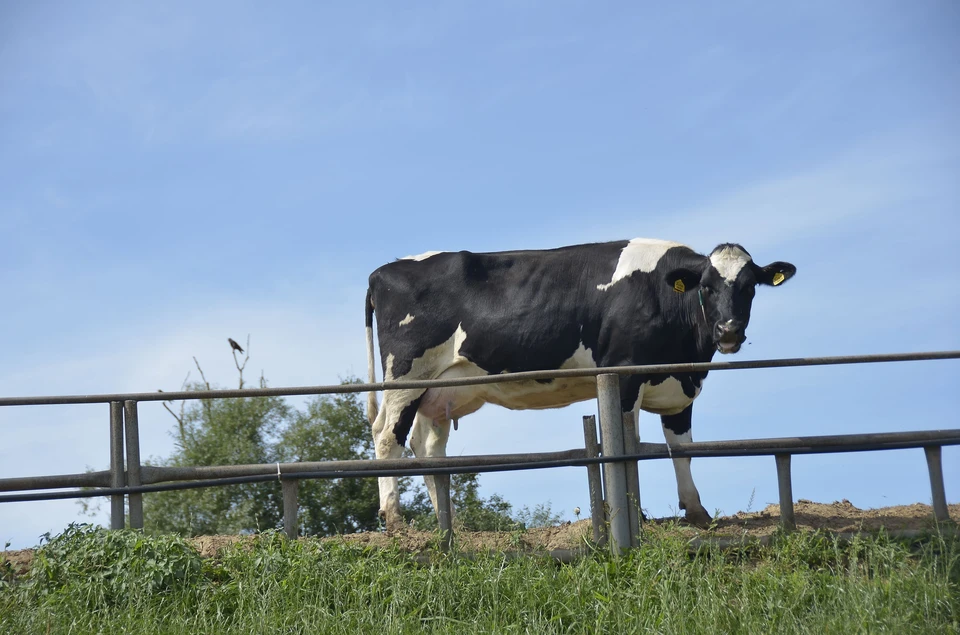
[443, 315]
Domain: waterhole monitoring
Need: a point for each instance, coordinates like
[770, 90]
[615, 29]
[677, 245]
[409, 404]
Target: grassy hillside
[91, 580]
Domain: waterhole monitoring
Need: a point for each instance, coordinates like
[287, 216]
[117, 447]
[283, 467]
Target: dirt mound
[837, 517]
[565, 536]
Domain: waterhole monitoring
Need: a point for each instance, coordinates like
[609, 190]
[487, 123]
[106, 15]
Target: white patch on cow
[581, 358]
[729, 261]
[640, 254]
[445, 362]
[406, 320]
[686, 489]
[422, 256]
[666, 398]
[433, 360]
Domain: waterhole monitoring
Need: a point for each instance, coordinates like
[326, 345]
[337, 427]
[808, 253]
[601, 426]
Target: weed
[92, 580]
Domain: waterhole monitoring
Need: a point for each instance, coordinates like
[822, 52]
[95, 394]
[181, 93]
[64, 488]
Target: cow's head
[724, 285]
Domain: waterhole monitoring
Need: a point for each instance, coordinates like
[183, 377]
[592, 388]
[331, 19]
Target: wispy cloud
[879, 177]
[850, 188]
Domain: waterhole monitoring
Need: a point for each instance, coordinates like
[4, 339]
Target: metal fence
[614, 493]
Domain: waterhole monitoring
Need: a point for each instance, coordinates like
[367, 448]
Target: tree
[266, 430]
[221, 432]
[333, 427]
[263, 430]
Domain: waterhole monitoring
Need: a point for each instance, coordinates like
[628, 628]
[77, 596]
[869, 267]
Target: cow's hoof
[393, 522]
[698, 518]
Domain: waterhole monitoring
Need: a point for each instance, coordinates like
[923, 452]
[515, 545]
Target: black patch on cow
[629, 391]
[517, 308]
[679, 423]
[401, 429]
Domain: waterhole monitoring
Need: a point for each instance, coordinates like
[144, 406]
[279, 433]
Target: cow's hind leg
[677, 429]
[429, 438]
[390, 430]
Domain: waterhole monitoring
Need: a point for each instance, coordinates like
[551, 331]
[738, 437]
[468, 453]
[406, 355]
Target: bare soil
[837, 517]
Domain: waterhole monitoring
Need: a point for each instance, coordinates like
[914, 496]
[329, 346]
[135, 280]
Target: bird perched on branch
[234, 345]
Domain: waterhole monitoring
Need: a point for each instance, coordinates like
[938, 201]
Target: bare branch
[179, 418]
[202, 376]
[204, 403]
[170, 410]
[241, 367]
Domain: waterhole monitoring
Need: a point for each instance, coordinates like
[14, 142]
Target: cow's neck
[703, 347]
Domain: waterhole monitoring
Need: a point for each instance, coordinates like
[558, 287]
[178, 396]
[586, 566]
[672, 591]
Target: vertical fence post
[594, 483]
[116, 464]
[614, 474]
[444, 509]
[631, 445]
[291, 506]
[131, 424]
[935, 468]
[787, 519]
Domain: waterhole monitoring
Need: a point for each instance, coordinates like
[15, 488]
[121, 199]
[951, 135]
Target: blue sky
[173, 174]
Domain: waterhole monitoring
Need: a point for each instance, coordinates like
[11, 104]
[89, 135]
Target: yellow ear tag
[679, 287]
[778, 278]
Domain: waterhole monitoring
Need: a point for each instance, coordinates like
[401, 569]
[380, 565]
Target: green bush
[108, 567]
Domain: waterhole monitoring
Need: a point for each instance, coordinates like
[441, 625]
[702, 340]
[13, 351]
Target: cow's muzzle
[729, 336]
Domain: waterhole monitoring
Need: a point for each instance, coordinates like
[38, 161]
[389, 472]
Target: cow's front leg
[677, 429]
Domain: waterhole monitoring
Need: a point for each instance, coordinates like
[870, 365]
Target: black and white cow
[463, 314]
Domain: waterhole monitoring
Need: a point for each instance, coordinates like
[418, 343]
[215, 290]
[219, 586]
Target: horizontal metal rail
[87, 479]
[653, 369]
[150, 474]
[504, 462]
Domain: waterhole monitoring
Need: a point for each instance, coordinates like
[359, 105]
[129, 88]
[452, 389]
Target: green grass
[89, 580]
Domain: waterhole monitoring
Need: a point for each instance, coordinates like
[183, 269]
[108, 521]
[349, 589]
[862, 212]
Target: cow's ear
[775, 273]
[683, 280]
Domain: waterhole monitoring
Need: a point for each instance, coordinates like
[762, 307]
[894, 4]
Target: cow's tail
[372, 406]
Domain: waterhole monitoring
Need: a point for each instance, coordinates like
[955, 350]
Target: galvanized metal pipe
[631, 445]
[291, 506]
[154, 474]
[374, 468]
[449, 465]
[576, 457]
[651, 369]
[116, 464]
[87, 479]
[598, 519]
[826, 444]
[614, 474]
[444, 510]
[131, 426]
[939, 494]
[787, 520]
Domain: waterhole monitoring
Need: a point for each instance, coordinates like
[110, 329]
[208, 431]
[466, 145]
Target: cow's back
[519, 310]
